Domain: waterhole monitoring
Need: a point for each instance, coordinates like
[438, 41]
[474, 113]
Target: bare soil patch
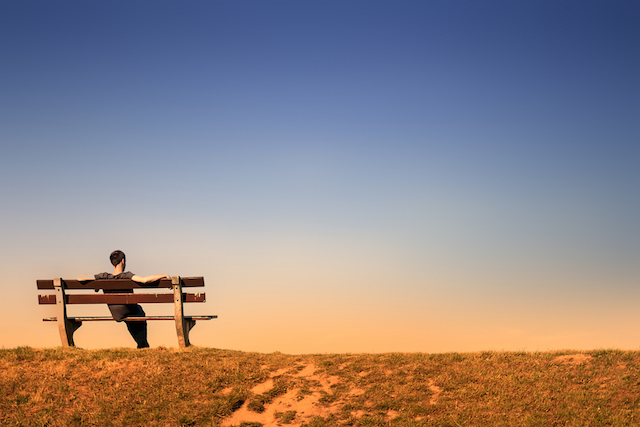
[573, 359]
[297, 405]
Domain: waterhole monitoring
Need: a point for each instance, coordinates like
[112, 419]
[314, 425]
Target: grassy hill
[208, 387]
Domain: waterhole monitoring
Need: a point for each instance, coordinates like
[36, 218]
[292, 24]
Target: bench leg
[67, 328]
[183, 326]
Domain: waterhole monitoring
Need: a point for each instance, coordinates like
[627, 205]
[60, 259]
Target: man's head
[117, 257]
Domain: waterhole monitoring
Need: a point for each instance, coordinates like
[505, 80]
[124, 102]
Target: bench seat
[128, 319]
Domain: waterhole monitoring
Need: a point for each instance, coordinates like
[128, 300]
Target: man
[120, 312]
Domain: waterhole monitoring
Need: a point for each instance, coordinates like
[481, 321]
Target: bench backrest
[120, 285]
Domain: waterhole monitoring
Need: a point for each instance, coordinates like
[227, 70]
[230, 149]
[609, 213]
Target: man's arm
[147, 279]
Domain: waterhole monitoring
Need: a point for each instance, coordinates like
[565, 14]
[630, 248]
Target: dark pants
[138, 330]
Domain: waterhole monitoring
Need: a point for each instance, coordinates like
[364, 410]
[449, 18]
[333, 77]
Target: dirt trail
[293, 407]
[302, 399]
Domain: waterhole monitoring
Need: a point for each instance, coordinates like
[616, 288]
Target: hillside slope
[209, 387]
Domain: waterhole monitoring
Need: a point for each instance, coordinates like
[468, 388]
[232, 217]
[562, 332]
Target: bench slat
[115, 284]
[121, 298]
[129, 319]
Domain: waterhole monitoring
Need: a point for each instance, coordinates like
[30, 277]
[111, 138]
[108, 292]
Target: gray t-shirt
[125, 275]
[121, 311]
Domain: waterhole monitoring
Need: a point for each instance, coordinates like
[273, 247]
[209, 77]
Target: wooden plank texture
[118, 284]
[121, 298]
[129, 319]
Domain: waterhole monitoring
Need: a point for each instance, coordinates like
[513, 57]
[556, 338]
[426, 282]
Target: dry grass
[208, 387]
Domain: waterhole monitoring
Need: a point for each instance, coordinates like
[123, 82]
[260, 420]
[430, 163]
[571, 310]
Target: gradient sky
[348, 176]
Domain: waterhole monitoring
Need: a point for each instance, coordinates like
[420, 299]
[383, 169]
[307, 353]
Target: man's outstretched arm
[147, 279]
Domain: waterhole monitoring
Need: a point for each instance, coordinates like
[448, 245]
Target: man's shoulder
[105, 275]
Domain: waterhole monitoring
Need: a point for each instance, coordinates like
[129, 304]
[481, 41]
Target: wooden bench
[68, 325]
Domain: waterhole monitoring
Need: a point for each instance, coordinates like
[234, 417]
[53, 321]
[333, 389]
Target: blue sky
[348, 176]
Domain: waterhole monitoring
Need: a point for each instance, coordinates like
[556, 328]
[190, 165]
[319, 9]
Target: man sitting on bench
[120, 312]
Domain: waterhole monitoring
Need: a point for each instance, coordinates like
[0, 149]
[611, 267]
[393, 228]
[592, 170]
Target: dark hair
[116, 257]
